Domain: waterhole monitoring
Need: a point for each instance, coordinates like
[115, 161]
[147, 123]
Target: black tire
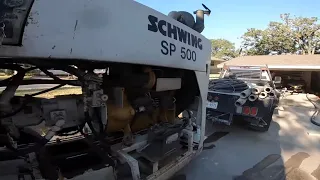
[267, 118]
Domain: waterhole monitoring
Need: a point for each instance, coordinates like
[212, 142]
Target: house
[214, 63]
[288, 67]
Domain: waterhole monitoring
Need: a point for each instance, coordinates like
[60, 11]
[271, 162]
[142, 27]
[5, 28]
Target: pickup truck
[243, 93]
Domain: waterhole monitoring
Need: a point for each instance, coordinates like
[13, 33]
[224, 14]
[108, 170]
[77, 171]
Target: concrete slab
[300, 110]
[238, 154]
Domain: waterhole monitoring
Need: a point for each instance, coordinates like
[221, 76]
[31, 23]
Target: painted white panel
[165, 84]
[104, 30]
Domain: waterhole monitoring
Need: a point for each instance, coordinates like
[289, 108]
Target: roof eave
[283, 67]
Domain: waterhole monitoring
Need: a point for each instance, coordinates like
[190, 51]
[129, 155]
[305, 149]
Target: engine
[125, 102]
[138, 100]
[113, 107]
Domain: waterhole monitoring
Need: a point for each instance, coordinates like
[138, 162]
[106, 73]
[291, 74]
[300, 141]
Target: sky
[230, 19]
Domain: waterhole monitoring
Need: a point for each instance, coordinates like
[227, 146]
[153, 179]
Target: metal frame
[133, 163]
[157, 173]
[261, 68]
[176, 164]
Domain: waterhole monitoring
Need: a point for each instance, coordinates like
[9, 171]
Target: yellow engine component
[119, 117]
[143, 121]
[125, 119]
[168, 115]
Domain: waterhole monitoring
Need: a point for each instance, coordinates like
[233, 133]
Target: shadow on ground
[285, 152]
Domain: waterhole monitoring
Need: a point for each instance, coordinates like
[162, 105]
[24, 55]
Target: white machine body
[111, 31]
[115, 31]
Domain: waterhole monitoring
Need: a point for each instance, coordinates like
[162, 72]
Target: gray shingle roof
[278, 61]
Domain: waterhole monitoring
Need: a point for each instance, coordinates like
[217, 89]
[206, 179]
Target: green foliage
[222, 48]
[254, 41]
[288, 36]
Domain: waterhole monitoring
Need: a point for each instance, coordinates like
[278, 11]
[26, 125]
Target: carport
[288, 67]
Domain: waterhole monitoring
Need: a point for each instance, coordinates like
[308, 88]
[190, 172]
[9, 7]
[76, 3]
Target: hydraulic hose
[316, 112]
[227, 85]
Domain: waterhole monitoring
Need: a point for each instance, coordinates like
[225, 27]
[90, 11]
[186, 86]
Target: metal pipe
[267, 89]
[245, 93]
[257, 90]
[240, 102]
[272, 93]
[253, 97]
[199, 24]
[263, 95]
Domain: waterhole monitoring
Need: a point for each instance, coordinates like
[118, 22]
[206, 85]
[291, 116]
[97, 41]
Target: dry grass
[214, 76]
[51, 94]
[2, 77]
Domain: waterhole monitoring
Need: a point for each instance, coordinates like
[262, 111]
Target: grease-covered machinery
[145, 111]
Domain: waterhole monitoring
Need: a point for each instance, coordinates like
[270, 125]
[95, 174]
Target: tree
[279, 38]
[222, 48]
[306, 34]
[288, 36]
[254, 42]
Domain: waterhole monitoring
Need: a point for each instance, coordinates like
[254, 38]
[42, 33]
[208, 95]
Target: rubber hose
[227, 85]
[233, 82]
[312, 118]
[230, 90]
[226, 82]
[230, 87]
